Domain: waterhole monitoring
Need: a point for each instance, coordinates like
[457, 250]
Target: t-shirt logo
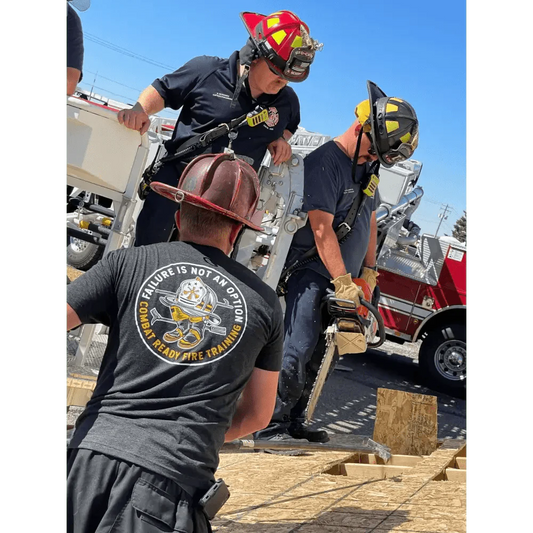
[273, 117]
[189, 314]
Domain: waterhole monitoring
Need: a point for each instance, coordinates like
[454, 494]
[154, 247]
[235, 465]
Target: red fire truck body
[407, 305]
[426, 299]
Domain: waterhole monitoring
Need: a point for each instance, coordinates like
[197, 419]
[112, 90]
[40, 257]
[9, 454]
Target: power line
[114, 81]
[125, 51]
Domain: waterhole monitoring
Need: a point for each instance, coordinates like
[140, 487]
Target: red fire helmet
[283, 39]
[217, 182]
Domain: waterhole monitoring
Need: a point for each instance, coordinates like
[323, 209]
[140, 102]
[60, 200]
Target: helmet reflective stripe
[297, 42]
[392, 125]
[279, 36]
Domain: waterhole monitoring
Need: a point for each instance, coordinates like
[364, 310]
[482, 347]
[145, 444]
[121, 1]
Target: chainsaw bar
[355, 444]
[322, 374]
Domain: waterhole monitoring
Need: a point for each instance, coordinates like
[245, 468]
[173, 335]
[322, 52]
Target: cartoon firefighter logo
[190, 315]
[193, 311]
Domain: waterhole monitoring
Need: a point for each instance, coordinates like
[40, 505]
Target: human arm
[369, 262]
[256, 404]
[370, 256]
[280, 149]
[91, 298]
[330, 253]
[326, 242]
[137, 118]
[73, 320]
[73, 78]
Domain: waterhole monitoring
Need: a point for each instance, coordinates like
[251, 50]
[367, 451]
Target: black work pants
[155, 222]
[112, 496]
[303, 326]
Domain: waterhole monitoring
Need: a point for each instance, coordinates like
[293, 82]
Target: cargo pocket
[160, 510]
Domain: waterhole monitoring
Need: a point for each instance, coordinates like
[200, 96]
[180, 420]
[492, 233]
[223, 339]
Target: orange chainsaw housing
[361, 310]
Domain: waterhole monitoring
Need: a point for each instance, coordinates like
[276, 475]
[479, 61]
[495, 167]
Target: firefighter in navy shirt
[211, 91]
[190, 332]
[386, 129]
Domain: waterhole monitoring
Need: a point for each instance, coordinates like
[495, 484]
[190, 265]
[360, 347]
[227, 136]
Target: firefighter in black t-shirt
[190, 332]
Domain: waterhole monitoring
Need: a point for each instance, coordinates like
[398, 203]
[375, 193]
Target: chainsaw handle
[348, 312]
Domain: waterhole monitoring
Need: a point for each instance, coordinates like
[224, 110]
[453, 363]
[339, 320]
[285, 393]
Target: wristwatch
[371, 268]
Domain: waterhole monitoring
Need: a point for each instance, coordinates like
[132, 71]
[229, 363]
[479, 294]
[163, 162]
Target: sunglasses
[372, 149]
[401, 153]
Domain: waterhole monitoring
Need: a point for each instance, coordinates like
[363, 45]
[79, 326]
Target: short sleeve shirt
[187, 326]
[74, 40]
[203, 88]
[329, 187]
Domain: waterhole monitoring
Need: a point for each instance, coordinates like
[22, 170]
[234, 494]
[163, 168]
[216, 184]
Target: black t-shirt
[329, 187]
[204, 88]
[187, 326]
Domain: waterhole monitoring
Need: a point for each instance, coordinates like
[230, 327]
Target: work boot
[284, 437]
[299, 431]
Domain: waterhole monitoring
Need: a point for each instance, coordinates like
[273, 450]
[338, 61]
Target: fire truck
[422, 283]
[422, 278]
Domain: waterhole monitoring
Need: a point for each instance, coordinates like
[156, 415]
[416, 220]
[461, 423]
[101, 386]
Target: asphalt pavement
[348, 401]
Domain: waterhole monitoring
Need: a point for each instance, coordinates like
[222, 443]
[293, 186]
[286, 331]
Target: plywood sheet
[406, 422]
[79, 391]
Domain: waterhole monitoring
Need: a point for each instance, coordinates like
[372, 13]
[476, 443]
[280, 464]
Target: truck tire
[83, 255]
[442, 357]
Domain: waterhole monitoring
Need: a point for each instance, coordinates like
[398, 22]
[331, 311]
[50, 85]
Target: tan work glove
[370, 276]
[346, 289]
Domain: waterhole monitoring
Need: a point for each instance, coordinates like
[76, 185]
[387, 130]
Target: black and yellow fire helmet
[391, 123]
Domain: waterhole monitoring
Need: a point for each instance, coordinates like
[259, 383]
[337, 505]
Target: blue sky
[416, 52]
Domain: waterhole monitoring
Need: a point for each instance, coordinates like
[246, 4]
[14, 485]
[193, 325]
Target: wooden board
[406, 422]
[79, 391]
[312, 495]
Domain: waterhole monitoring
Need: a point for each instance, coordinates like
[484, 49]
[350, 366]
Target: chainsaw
[350, 329]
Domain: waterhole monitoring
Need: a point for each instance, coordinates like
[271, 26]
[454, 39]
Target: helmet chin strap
[246, 55]
[240, 82]
[356, 155]
[374, 167]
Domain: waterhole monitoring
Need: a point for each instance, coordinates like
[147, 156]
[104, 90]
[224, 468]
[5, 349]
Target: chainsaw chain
[322, 372]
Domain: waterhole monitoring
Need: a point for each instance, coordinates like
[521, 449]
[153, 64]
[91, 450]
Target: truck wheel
[83, 255]
[442, 357]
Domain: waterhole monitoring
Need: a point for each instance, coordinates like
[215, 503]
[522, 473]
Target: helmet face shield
[296, 68]
[402, 152]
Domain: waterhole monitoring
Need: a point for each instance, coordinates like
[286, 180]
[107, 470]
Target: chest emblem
[273, 117]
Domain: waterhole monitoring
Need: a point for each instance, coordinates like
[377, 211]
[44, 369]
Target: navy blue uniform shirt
[329, 187]
[203, 88]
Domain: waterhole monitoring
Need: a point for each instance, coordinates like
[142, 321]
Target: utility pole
[94, 81]
[442, 216]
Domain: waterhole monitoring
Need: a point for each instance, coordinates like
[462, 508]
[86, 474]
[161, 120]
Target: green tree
[459, 230]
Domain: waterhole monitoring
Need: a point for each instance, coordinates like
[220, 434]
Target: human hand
[370, 276]
[280, 150]
[134, 118]
[346, 289]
